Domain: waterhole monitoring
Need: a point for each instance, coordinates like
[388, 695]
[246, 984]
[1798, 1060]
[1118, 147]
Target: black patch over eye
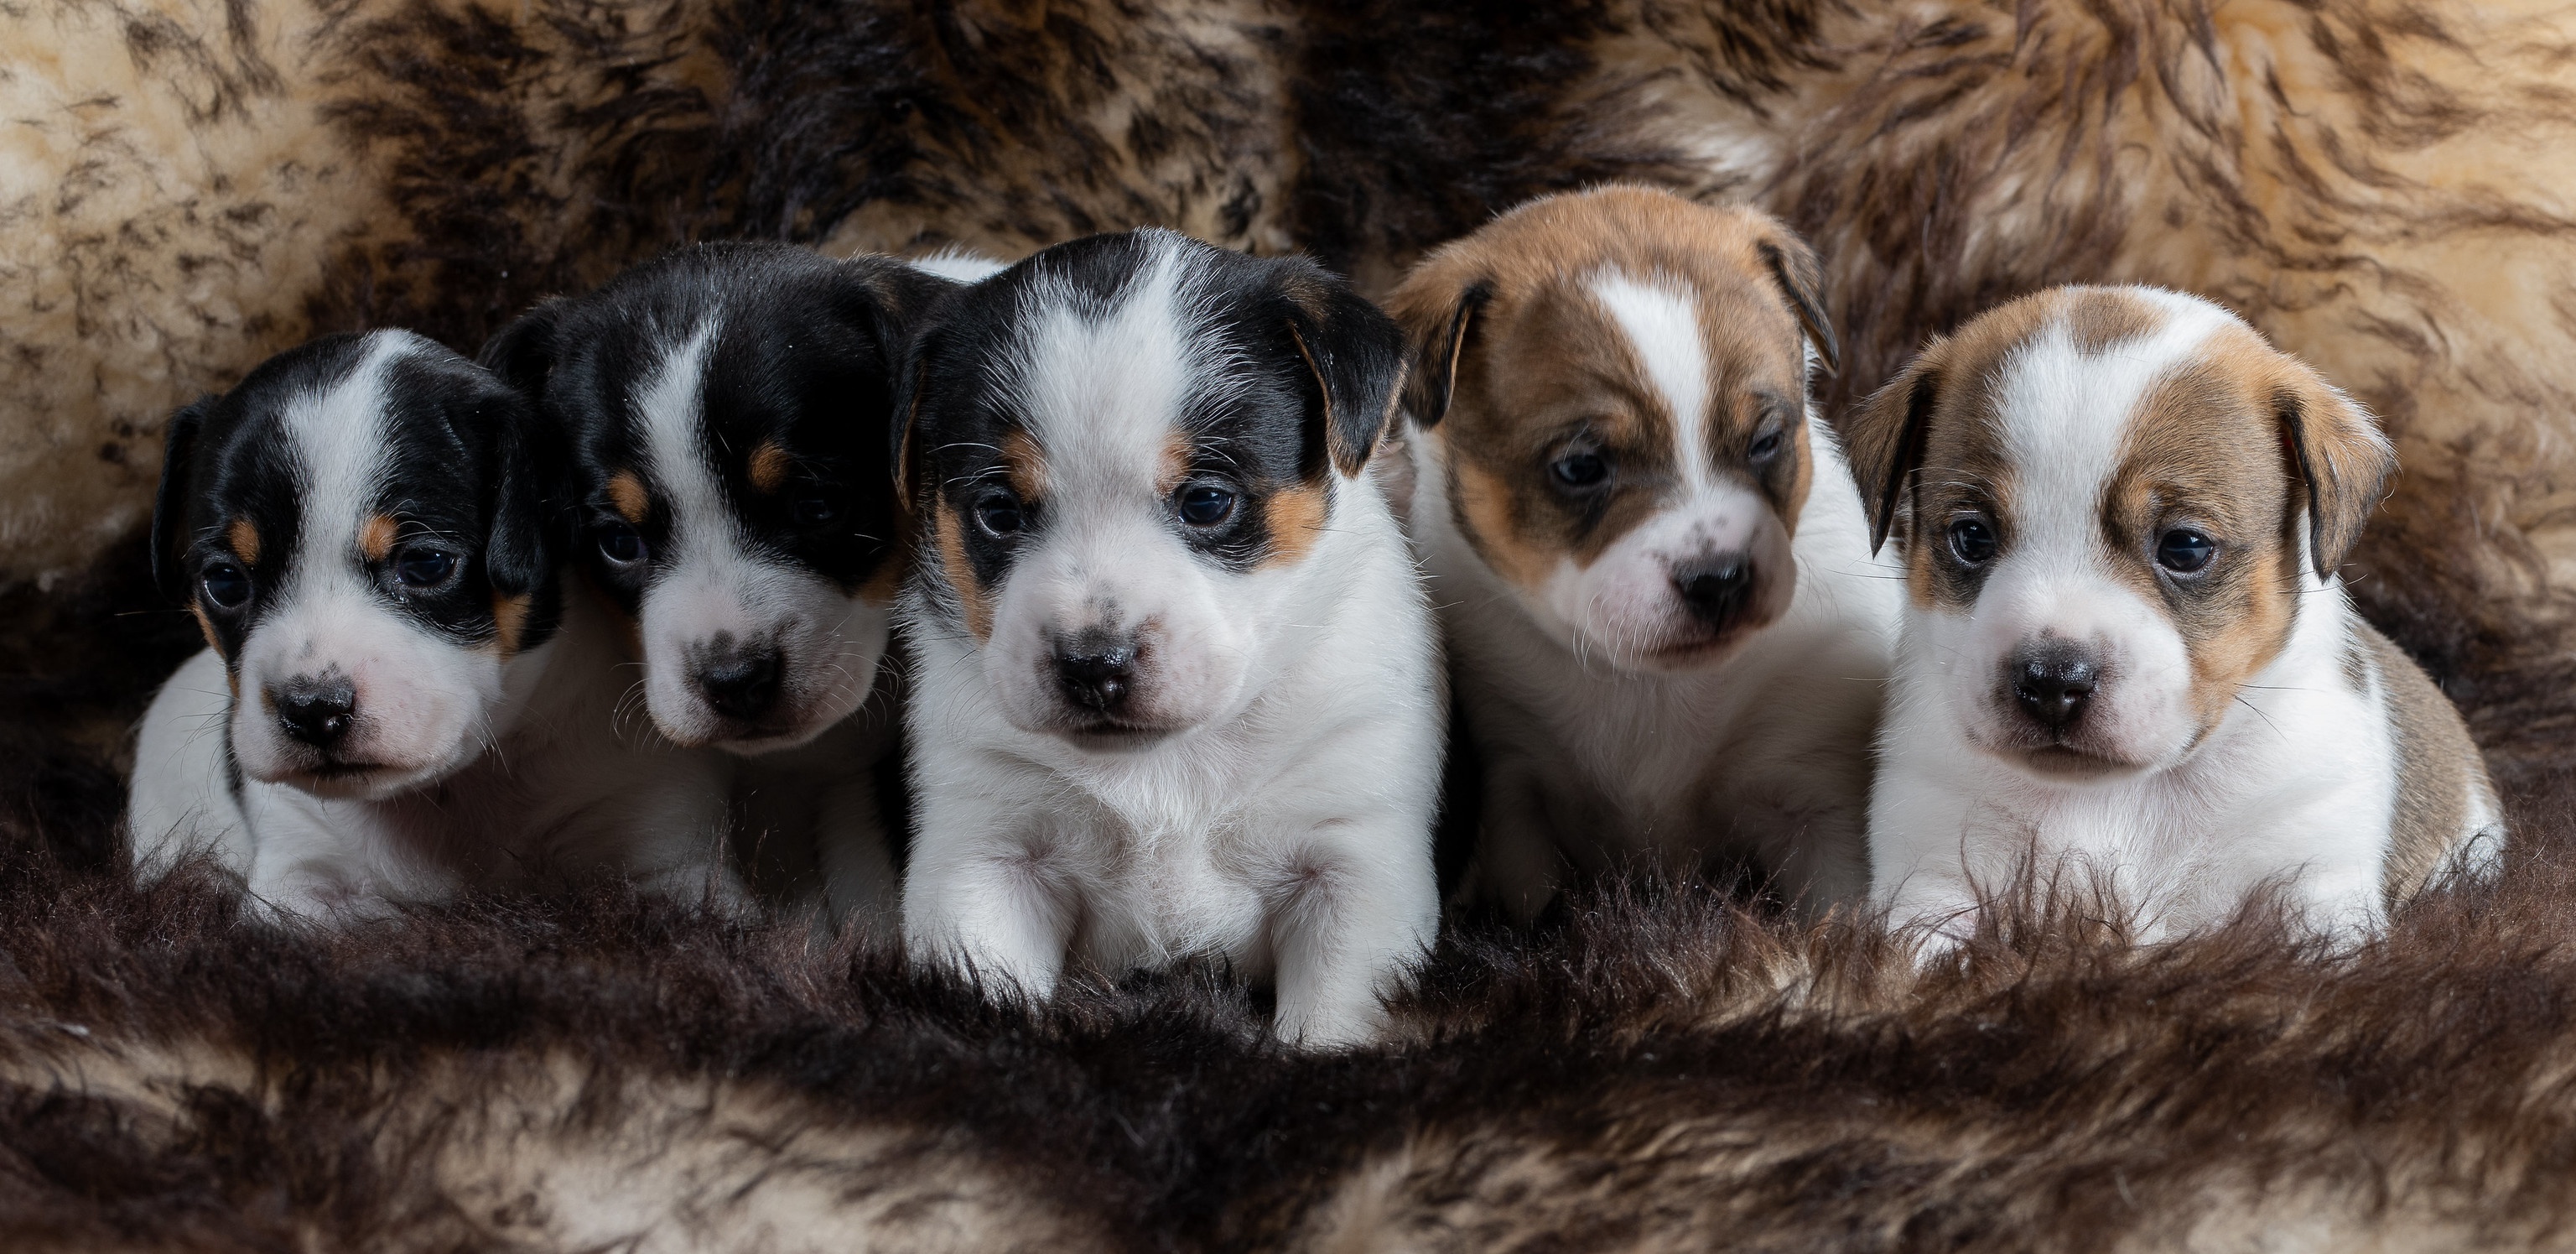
[1206, 505]
[812, 510]
[1580, 470]
[424, 568]
[226, 585]
[1000, 514]
[1972, 541]
[621, 544]
[2185, 551]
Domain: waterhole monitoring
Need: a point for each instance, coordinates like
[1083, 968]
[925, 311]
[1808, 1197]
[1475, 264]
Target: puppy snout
[739, 681]
[317, 712]
[2053, 682]
[1716, 588]
[1096, 671]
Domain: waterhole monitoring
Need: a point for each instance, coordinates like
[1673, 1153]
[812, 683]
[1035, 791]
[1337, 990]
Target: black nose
[2053, 682]
[1096, 673]
[1715, 588]
[739, 682]
[316, 711]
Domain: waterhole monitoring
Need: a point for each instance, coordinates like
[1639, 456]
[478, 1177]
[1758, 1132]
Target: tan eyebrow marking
[509, 620]
[769, 465]
[626, 496]
[244, 537]
[1024, 465]
[376, 537]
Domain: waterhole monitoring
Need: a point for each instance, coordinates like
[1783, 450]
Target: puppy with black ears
[396, 704]
[2126, 651]
[729, 409]
[1174, 681]
[1665, 626]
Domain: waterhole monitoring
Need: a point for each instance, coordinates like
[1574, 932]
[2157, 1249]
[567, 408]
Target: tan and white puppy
[1174, 685]
[2125, 646]
[1665, 628]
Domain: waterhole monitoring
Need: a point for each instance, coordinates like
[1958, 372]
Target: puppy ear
[1883, 437]
[170, 500]
[1434, 377]
[1801, 278]
[523, 354]
[907, 410]
[2339, 458]
[1356, 355]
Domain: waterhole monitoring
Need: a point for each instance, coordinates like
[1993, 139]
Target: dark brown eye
[1580, 470]
[2185, 551]
[1206, 505]
[812, 510]
[1000, 515]
[424, 568]
[1972, 541]
[1764, 448]
[621, 544]
[226, 585]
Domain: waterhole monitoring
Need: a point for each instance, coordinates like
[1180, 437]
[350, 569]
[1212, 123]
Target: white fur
[1281, 819]
[1596, 751]
[2293, 788]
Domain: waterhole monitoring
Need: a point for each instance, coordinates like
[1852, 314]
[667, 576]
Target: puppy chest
[1149, 897]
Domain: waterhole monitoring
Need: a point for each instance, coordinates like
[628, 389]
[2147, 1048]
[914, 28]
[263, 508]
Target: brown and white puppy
[2124, 642]
[1665, 628]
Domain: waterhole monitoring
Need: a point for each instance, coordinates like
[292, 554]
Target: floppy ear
[907, 410]
[1434, 377]
[2340, 459]
[1883, 438]
[1357, 356]
[170, 501]
[1794, 267]
[526, 541]
[523, 354]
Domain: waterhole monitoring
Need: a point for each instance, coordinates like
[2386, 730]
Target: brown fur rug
[185, 187]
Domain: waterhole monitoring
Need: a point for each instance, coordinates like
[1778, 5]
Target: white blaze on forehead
[1102, 395]
[669, 411]
[2064, 413]
[339, 437]
[1660, 318]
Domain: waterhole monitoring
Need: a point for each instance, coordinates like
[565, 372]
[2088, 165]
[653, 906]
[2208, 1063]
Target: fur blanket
[185, 187]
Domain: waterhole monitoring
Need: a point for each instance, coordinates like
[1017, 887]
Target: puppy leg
[987, 897]
[668, 833]
[319, 861]
[861, 892]
[1352, 904]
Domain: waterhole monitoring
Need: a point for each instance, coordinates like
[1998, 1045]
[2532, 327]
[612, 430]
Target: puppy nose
[1715, 588]
[2053, 683]
[317, 712]
[739, 682]
[1096, 673]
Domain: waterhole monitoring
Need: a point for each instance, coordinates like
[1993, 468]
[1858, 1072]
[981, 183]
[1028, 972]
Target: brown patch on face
[206, 626]
[2097, 318]
[626, 495]
[509, 622]
[1024, 465]
[767, 469]
[376, 537]
[1545, 371]
[1296, 518]
[243, 536]
[971, 594]
[1174, 464]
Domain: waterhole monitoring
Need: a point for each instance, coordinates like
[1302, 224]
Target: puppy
[2124, 641]
[396, 704]
[1174, 681]
[1665, 627]
[729, 408]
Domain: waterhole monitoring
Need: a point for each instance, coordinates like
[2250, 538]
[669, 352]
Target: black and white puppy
[396, 704]
[729, 408]
[1174, 685]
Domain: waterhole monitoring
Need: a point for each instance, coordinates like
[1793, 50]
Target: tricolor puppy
[729, 408]
[397, 704]
[1665, 627]
[2125, 647]
[1173, 679]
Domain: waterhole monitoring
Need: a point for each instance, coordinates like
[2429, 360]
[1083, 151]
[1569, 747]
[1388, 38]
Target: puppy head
[359, 528]
[1618, 383]
[2114, 499]
[1121, 453]
[728, 410]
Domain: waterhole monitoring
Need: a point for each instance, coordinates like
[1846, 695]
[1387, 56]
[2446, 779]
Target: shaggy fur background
[187, 185]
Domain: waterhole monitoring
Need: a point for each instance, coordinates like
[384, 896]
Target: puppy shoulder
[2443, 795]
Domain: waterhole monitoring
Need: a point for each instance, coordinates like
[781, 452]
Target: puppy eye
[1580, 470]
[424, 568]
[2184, 551]
[812, 510]
[1971, 541]
[621, 544]
[1766, 446]
[1205, 505]
[226, 585]
[1000, 515]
